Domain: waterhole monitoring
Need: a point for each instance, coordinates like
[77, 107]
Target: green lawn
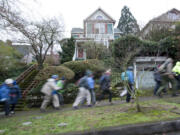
[92, 118]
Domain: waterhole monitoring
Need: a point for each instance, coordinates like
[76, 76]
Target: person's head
[169, 60]
[63, 79]
[89, 73]
[9, 82]
[130, 68]
[56, 77]
[108, 72]
[178, 63]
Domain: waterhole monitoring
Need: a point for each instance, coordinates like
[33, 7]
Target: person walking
[129, 83]
[84, 92]
[15, 95]
[157, 79]
[91, 88]
[47, 90]
[60, 84]
[5, 95]
[105, 84]
[176, 70]
[167, 76]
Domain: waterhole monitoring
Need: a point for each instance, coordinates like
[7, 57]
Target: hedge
[59, 70]
[79, 67]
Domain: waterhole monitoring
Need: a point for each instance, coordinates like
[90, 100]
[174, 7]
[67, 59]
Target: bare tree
[40, 35]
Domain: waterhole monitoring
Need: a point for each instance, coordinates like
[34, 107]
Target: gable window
[99, 17]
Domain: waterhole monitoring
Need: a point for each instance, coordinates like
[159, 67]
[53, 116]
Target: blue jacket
[90, 81]
[15, 94]
[130, 76]
[4, 92]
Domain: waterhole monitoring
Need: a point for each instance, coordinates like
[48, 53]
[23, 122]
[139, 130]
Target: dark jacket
[15, 94]
[157, 76]
[105, 82]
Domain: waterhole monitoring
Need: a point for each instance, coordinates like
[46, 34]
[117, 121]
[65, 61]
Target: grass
[91, 118]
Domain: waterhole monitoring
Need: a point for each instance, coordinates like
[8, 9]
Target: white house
[98, 27]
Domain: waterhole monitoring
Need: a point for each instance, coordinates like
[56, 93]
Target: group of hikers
[164, 75]
[86, 90]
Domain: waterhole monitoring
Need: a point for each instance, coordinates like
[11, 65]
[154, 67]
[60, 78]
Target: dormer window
[99, 17]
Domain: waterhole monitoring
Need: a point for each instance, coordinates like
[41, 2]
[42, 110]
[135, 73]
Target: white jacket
[49, 86]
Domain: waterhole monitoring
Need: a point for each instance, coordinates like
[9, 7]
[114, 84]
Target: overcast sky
[74, 12]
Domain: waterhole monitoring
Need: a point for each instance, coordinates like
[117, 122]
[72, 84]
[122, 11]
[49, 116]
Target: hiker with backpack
[105, 83]
[84, 92]
[165, 71]
[5, 95]
[128, 81]
[48, 89]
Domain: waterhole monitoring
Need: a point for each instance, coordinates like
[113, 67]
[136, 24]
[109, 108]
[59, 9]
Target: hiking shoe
[174, 95]
[75, 107]
[42, 110]
[12, 112]
[89, 105]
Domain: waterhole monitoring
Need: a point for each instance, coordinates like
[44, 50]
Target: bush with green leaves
[80, 67]
[46, 73]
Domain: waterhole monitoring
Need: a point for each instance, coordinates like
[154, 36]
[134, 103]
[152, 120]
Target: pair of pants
[47, 100]
[129, 91]
[83, 94]
[61, 99]
[6, 107]
[12, 107]
[165, 82]
[104, 92]
[93, 97]
[158, 85]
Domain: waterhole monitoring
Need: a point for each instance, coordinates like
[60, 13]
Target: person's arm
[54, 86]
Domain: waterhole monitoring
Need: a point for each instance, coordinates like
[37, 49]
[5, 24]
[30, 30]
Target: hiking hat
[9, 81]
[54, 76]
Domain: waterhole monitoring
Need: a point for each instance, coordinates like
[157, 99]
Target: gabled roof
[77, 30]
[163, 18]
[99, 9]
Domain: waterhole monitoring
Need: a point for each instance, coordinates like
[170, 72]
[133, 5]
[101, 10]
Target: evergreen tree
[68, 50]
[127, 23]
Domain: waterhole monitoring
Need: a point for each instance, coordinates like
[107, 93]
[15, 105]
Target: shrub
[79, 67]
[70, 93]
[59, 70]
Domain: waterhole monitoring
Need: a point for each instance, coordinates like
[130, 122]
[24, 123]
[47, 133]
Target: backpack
[163, 68]
[124, 76]
[83, 83]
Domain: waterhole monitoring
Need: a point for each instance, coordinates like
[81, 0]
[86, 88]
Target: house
[26, 51]
[166, 20]
[98, 27]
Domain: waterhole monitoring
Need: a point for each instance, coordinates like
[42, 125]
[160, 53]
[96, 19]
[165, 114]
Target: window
[102, 28]
[89, 28]
[99, 17]
[75, 36]
[96, 27]
[109, 28]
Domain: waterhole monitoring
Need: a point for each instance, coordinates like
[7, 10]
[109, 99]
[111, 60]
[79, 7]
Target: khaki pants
[83, 94]
[48, 98]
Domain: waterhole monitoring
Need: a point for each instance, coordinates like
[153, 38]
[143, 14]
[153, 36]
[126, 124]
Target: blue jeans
[93, 96]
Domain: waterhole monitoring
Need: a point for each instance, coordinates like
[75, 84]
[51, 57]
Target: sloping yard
[90, 118]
